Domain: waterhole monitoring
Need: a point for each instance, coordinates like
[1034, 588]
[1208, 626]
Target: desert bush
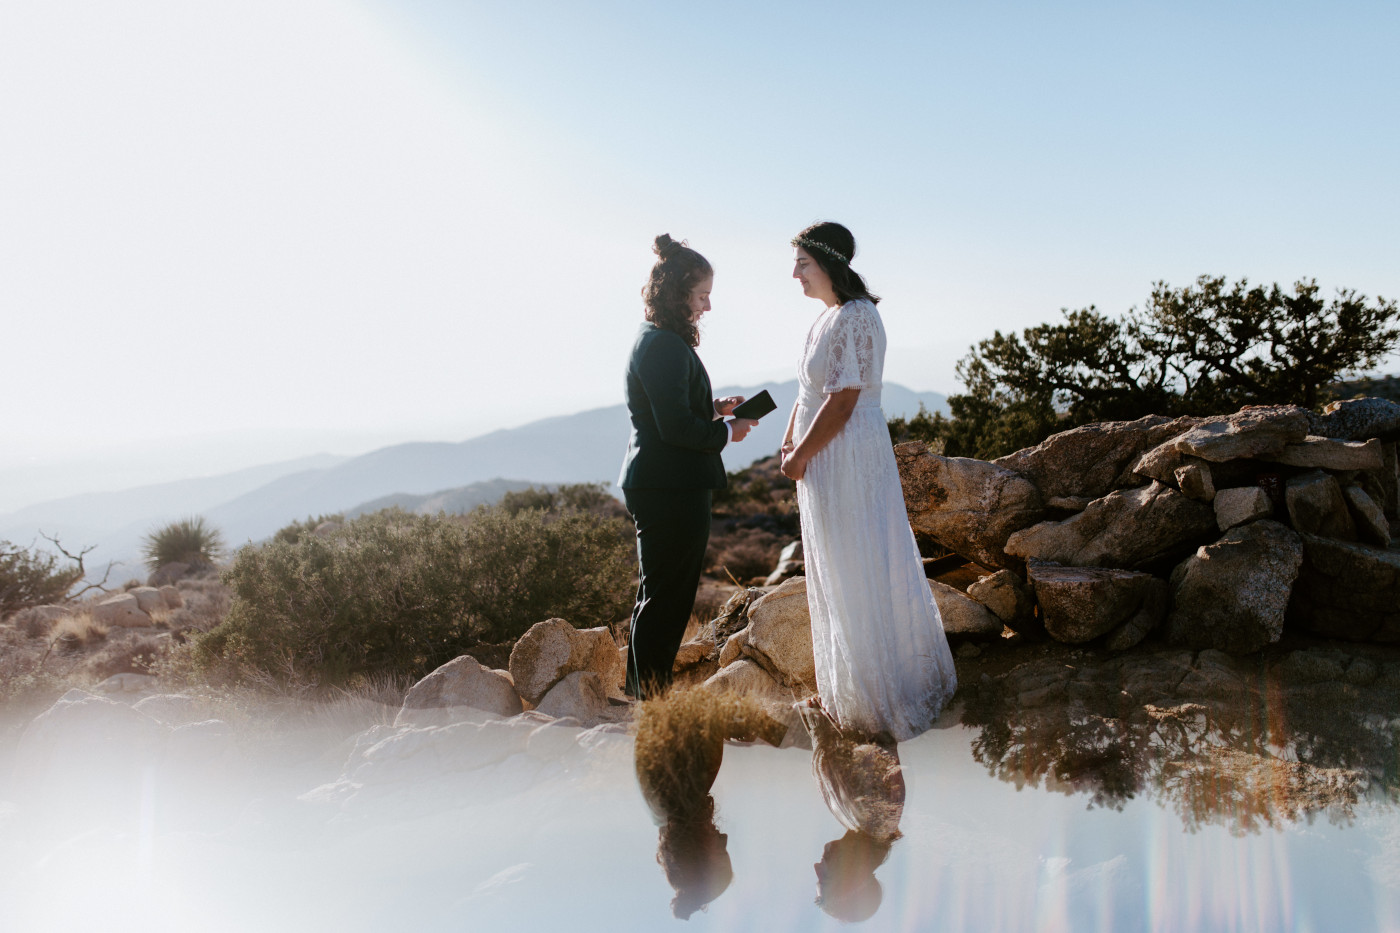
[190, 541]
[30, 577]
[206, 604]
[397, 593]
[131, 656]
[298, 530]
[743, 549]
[577, 497]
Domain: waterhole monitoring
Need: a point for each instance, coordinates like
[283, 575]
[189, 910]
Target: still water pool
[1071, 819]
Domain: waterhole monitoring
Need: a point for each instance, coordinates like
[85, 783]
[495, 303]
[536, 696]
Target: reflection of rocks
[1286, 735]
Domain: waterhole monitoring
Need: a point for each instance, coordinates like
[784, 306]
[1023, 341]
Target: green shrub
[32, 578]
[298, 530]
[397, 593]
[190, 541]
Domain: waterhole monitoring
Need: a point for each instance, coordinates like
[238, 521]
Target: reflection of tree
[1246, 744]
[862, 783]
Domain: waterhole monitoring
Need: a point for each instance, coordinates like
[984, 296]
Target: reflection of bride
[862, 783]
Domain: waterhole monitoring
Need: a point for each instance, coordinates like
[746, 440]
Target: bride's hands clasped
[792, 466]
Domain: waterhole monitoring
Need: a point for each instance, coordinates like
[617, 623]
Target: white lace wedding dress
[883, 663]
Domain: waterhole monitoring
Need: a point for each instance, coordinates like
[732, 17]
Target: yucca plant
[190, 541]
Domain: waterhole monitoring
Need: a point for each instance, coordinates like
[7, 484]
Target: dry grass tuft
[680, 743]
[75, 631]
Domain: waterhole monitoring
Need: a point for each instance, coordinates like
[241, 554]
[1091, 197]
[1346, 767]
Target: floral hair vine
[813, 244]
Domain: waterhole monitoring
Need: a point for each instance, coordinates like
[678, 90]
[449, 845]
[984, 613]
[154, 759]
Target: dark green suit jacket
[676, 439]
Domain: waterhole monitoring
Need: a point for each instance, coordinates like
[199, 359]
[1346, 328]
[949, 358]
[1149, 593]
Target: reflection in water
[1242, 743]
[678, 751]
[862, 783]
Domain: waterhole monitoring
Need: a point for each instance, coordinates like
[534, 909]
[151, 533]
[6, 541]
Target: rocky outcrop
[1079, 604]
[1241, 504]
[460, 684]
[580, 696]
[554, 649]
[1144, 495]
[122, 611]
[780, 635]
[1094, 459]
[1316, 506]
[964, 618]
[1007, 597]
[1128, 528]
[1359, 419]
[1232, 594]
[969, 506]
[1347, 590]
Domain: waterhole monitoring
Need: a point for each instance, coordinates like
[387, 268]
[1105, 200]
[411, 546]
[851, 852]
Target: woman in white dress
[883, 664]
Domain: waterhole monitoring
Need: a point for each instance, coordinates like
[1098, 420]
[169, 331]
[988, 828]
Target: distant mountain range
[252, 504]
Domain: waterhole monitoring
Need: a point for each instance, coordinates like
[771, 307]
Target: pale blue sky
[233, 234]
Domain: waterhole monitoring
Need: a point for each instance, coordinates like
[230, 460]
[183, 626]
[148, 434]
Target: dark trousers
[673, 528]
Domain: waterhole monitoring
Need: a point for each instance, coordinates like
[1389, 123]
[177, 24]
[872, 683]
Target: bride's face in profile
[815, 282]
[699, 300]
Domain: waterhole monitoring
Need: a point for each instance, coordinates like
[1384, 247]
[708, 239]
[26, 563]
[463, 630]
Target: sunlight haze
[234, 234]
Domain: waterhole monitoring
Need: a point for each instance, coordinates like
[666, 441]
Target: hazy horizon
[241, 235]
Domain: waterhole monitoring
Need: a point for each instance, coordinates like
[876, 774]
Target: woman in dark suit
[673, 462]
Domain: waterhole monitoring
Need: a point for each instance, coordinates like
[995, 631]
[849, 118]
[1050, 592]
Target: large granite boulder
[1195, 480]
[695, 662]
[1347, 590]
[1253, 431]
[553, 649]
[1328, 454]
[1357, 419]
[1078, 604]
[1369, 519]
[122, 610]
[1316, 506]
[780, 631]
[580, 695]
[1128, 528]
[1232, 595]
[1093, 459]
[969, 506]
[149, 599]
[747, 677]
[964, 618]
[1241, 504]
[460, 684]
[1008, 597]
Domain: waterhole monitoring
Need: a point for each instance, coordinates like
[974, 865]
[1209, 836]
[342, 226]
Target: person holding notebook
[673, 460]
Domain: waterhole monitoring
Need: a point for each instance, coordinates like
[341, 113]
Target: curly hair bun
[664, 246]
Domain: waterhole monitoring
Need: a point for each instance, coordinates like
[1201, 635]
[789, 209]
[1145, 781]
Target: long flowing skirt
[883, 663]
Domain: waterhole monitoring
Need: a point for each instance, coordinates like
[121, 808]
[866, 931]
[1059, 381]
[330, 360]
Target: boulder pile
[1222, 530]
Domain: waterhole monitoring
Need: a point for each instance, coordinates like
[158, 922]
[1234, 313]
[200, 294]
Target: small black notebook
[756, 407]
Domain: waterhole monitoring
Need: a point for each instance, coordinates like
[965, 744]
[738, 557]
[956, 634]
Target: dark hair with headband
[667, 292]
[833, 247]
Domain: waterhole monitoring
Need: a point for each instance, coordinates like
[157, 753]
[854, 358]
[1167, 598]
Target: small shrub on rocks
[190, 541]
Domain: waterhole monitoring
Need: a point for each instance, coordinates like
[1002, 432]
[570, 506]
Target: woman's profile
[882, 659]
[673, 460]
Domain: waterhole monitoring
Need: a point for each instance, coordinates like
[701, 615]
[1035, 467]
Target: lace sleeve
[853, 349]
